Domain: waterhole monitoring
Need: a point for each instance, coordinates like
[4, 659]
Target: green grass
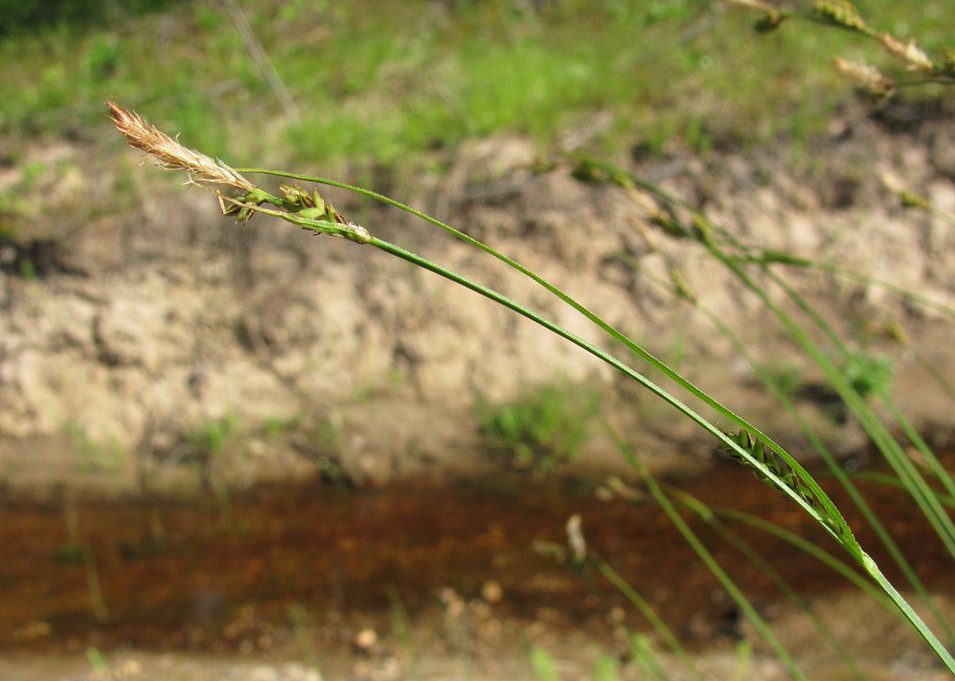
[208, 437]
[544, 428]
[94, 456]
[391, 82]
[868, 373]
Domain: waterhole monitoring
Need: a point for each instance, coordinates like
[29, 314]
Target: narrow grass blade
[709, 515]
[707, 558]
[837, 472]
[646, 609]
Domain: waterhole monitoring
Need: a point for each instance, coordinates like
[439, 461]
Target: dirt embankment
[159, 334]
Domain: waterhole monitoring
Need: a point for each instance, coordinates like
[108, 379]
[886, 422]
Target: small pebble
[453, 603]
[365, 640]
[491, 591]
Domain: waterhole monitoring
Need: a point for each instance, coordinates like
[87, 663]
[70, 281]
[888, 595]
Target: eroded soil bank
[151, 328]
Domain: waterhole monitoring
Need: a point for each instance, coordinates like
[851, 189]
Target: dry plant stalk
[169, 153]
[844, 13]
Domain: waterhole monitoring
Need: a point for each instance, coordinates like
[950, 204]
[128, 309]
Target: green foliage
[327, 435]
[17, 201]
[298, 617]
[914, 65]
[274, 426]
[605, 669]
[697, 137]
[72, 551]
[786, 377]
[21, 16]
[92, 455]
[97, 662]
[209, 436]
[320, 442]
[389, 86]
[543, 429]
[645, 657]
[76, 551]
[770, 462]
[669, 10]
[867, 373]
[101, 58]
[543, 665]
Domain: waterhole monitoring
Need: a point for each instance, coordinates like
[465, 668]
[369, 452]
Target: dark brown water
[179, 574]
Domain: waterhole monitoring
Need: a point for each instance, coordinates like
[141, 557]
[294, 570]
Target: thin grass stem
[836, 470]
[646, 609]
[706, 557]
[828, 513]
[773, 463]
[709, 515]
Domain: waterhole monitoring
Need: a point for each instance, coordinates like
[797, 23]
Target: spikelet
[948, 61]
[169, 153]
[842, 13]
[866, 75]
[909, 53]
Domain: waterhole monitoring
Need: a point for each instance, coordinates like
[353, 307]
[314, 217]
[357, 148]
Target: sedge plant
[240, 198]
[920, 67]
[723, 247]
[857, 379]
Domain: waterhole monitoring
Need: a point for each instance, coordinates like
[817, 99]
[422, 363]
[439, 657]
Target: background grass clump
[395, 82]
[544, 428]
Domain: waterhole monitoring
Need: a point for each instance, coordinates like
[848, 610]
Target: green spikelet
[787, 475]
[774, 463]
[680, 287]
[842, 13]
[948, 61]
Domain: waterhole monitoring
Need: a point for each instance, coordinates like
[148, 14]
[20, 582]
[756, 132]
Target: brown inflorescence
[169, 153]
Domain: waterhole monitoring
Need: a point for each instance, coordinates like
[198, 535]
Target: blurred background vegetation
[367, 90]
[396, 83]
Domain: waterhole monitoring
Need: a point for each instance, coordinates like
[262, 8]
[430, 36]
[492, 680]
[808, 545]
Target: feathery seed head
[866, 75]
[909, 53]
[169, 153]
